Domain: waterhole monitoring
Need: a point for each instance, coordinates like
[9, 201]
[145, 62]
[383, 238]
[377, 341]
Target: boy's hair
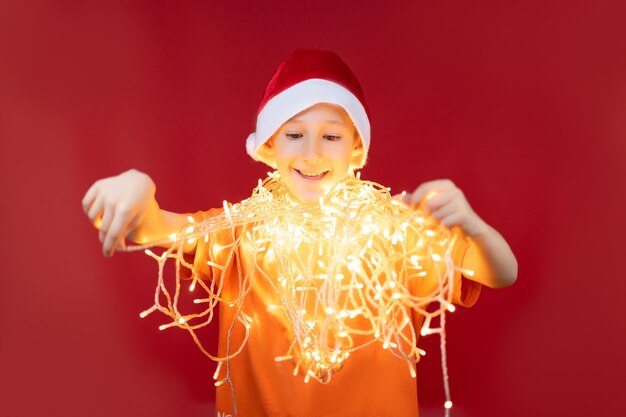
[308, 77]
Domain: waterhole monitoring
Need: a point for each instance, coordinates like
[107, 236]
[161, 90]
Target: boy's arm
[159, 224]
[488, 255]
[491, 259]
[124, 206]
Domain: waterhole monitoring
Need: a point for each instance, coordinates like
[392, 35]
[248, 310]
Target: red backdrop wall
[522, 104]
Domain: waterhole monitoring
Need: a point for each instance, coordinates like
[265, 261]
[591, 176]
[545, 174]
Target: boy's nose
[313, 149]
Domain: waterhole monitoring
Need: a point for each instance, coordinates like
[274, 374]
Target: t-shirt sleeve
[465, 292]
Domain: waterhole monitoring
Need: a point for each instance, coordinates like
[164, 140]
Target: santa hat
[306, 78]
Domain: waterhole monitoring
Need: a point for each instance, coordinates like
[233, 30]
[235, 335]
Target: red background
[522, 104]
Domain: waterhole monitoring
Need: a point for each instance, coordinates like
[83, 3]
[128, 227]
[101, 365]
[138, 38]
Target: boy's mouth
[311, 175]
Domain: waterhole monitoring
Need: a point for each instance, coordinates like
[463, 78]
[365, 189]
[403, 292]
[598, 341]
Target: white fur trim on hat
[299, 97]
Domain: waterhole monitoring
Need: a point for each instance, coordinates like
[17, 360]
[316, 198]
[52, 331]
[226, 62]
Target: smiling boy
[313, 128]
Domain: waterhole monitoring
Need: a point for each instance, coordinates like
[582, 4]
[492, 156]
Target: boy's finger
[88, 198]
[452, 220]
[419, 194]
[95, 211]
[118, 226]
[119, 244]
[444, 211]
[420, 198]
[422, 192]
[438, 199]
[105, 222]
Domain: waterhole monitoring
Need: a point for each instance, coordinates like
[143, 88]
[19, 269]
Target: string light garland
[343, 273]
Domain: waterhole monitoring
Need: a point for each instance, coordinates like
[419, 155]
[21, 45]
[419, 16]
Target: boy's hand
[117, 205]
[446, 203]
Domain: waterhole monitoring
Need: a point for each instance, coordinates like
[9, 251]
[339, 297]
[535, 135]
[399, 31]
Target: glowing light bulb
[145, 313]
[216, 374]
[167, 326]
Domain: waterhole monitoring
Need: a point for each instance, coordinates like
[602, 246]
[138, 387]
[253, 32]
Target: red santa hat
[306, 78]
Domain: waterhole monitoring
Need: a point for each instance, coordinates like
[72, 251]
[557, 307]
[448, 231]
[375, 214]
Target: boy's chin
[305, 196]
[308, 197]
[306, 192]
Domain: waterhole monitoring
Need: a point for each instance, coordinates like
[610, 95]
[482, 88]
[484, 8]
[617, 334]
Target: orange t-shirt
[372, 381]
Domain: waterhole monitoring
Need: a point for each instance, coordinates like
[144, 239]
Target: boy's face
[314, 150]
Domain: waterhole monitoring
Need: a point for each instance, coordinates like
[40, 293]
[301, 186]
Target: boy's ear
[357, 154]
[267, 151]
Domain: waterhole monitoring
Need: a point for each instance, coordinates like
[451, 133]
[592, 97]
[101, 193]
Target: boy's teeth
[311, 174]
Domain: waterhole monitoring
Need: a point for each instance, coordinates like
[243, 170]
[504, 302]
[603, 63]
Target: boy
[313, 128]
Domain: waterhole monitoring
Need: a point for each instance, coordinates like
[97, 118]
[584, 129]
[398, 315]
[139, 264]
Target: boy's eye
[293, 135]
[332, 138]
